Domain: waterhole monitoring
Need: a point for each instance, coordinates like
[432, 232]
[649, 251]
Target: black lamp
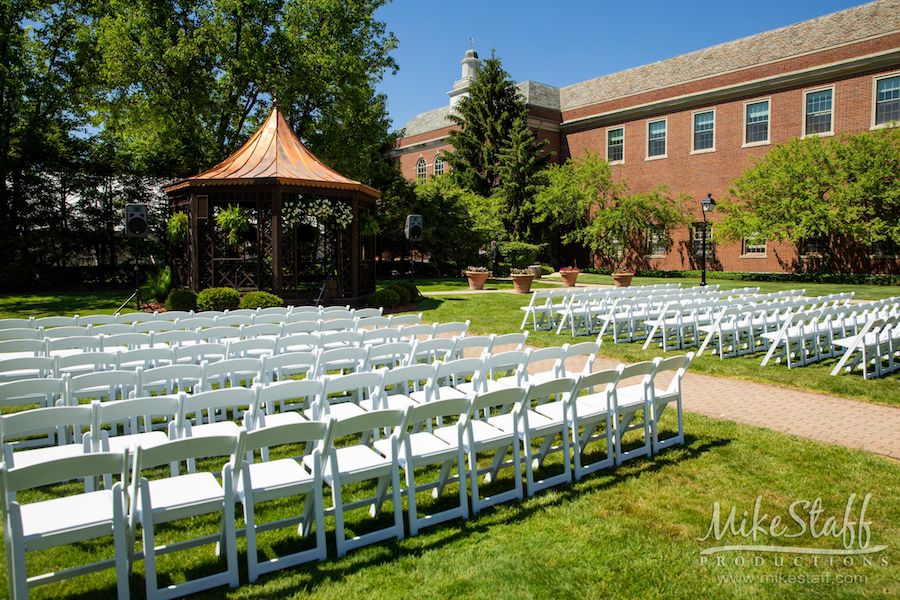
[707, 204]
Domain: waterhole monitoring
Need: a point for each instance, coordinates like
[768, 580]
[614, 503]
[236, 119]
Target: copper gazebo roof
[274, 154]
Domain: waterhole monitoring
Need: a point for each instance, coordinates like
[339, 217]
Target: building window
[757, 129]
[813, 246]
[438, 165]
[885, 249]
[421, 170]
[754, 245]
[697, 235]
[656, 136]
[704, 130]
[818, 112]
[616, 245]
[656, 241]
[887, 100]
[615, 145]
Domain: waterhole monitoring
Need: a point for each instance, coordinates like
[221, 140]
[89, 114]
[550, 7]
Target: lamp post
[707, 204]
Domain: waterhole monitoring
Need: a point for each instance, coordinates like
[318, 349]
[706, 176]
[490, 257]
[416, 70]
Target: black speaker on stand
[413, 232]
[136, 227]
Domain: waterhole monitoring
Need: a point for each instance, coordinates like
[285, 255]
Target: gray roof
[854, 24]
[428, 121]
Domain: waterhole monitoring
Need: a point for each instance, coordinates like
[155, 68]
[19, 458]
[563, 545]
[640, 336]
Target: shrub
[260, 300]
[220, 298]
[386, 298]
[402, 293]
[158, 285]
[413, 290]
[519, 254]
[182, 300]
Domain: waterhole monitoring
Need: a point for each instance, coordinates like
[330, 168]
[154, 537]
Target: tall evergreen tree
[494, 150]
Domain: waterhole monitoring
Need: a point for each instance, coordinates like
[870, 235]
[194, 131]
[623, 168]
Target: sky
[562, 43]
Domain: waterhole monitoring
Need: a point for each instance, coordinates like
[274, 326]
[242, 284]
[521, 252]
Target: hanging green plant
[177, 228]
[234, 224]
[368, 226]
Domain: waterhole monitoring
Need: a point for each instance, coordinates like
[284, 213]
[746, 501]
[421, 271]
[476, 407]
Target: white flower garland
[316, 210]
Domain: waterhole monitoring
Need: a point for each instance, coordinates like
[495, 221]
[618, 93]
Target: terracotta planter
[569, 277]
[477, 279]
[522, 283]
[622, 279]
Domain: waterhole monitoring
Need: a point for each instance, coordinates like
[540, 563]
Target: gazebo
[302, 224]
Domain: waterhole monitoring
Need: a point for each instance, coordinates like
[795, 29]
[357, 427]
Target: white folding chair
[423, 448]
[232, 372]
[547, 424]
[284, 478]
[499, 433]
[41, 393]
[69, 422]
[477, 345]
[347, 464]
[145, 358]
[586, 413]
[661, 398]
[388, 356]
[28, 367]
[64, 520]
[280, 367]
[453, 328]
[628, 401]
[169, 379]
[432, 350]
[538, 310]
[285, 401]
[417, 332]
[158, 501]
[515, 340]
[109, 385]
[406, 320]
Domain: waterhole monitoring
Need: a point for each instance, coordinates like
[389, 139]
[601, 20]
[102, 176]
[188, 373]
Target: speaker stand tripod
[141, 305]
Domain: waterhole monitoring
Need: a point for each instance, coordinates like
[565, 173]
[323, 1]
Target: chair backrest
[20, 333]
[270, 319]
[679, 364]
[44, 391]
[416, 332]
[146, 358]
[372, 322]
[28, 367]
[515, 340]
[33, 347]
[232, 320]
[407, 379]
[340, 324]
[390, 355]
[211, 402]
[509, 399]
[230, 370]
[386, 418]
[291, 394]
[452, 373]
[134, 411]
[111, 329]
[199, 320]
[55, 333]
[169, 378]
[63, 469]
[312, 434]
[297, 342]
[197, 353]
[383, 335]
[56, 321]
[135, 317]
[560, 390]
[644, 370]
[176, 337]
[341, 388]
[81, 343]
[432, 350]
[241, 312]
[404, 320]
[350, 359]
[274, 310]
[476, 344]
[293, 327]
[97, 319]
[112, 384]
[251, 347]
[172, 315]
[17, 323]
[364, 313]
[124, 341]
[86, 362]
[282, 366]
[38, 421]
[575, 353]
[545, 360]
[181, 449]
[606, 380]
[261, 330]
[453, 328]
[219, 334]
[337, 339]
[504, 364]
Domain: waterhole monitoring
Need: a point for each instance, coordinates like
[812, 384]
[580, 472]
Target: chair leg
[338, 503]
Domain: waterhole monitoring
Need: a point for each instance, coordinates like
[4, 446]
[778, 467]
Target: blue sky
[561, 43]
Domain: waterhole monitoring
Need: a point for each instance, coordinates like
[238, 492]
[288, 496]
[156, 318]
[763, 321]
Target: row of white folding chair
[874, 348]
[530, 410]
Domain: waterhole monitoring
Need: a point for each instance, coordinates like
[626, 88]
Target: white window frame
[694, 114]
[617, 245]
[421, 169]
[665, 154]
[875, 81]
[620, 161]
[768, 139]
[439, 162]
[803, 111]
[656, 240]
[749, 249]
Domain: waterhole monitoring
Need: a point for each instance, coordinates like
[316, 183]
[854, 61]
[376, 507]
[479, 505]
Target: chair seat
[283, 418]
[345, 410]
[443, 393]
[148, 439]
[276, 479]
[426, 445]
[539, 422]
[355, 460]
[487, 433]
[84, 513]
[189, 491]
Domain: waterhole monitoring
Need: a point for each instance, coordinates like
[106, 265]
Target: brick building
[694, 121]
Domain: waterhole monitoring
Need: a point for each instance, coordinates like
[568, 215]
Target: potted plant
[477, 276]
[522, 279]
[622, 276]
[569, 275]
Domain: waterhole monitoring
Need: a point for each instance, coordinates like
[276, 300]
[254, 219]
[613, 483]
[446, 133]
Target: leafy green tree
[844, 187]
[494, 150]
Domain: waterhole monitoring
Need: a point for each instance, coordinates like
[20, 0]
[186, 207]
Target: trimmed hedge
[260, 300]
[845, 278]
[219, 298]
[182, 300]
[398, 294]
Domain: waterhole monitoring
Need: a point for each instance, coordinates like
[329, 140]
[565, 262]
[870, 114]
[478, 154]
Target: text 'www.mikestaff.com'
[793, 579]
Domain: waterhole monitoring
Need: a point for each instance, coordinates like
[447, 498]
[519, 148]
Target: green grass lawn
[628, 532]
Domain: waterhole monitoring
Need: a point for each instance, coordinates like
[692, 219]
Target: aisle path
[871, 427]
